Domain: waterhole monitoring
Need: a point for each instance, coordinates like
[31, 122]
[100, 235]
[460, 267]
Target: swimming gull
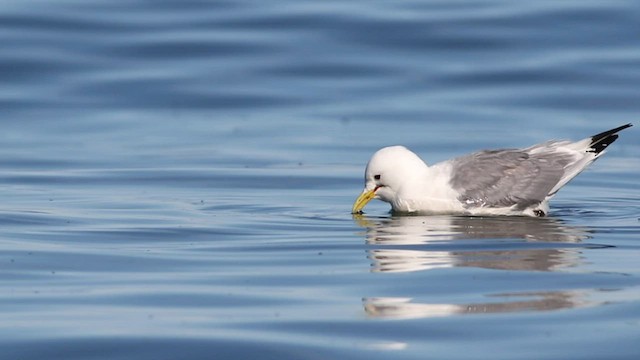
[489, 182]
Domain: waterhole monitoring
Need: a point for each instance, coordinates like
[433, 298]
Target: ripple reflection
[406, 308]
[420, 243]
[415, 243]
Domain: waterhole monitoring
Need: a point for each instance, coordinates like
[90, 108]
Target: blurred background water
[177, 178]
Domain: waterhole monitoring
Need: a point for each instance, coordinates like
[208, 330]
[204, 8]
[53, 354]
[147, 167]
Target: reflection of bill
[414, 243]
[405, 308]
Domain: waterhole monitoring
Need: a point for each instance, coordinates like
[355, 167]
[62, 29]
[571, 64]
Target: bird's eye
[377, 177]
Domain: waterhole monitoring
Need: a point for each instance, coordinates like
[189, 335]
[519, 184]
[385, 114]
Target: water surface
[177, 180]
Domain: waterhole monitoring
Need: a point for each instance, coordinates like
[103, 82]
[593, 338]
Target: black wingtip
[599, 142]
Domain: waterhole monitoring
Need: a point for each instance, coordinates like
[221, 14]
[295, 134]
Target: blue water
[177, 178]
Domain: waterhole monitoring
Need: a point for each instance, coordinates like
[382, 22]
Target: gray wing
[508, 177]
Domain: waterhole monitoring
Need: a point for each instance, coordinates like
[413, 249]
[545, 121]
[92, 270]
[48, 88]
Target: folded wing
[509, 177]
[521, 178]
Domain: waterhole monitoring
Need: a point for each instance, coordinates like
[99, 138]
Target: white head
[388, 171]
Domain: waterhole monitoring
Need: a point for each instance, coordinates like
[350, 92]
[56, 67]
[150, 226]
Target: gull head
[388, 172]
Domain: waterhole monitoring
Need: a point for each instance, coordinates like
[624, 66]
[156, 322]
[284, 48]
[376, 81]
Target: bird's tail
[599, 142]
[589, 149]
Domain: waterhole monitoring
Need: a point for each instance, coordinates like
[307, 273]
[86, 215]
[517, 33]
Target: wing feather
[509, 177]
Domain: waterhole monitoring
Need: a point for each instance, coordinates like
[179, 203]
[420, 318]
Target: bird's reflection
[413, 243]
[407, 308]
[422, 243]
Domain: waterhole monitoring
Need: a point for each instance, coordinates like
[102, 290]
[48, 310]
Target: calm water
[177, 178]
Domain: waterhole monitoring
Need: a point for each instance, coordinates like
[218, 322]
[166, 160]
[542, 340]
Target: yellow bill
[362, 200]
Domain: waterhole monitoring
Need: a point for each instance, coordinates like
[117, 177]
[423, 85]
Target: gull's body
[490, 182]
